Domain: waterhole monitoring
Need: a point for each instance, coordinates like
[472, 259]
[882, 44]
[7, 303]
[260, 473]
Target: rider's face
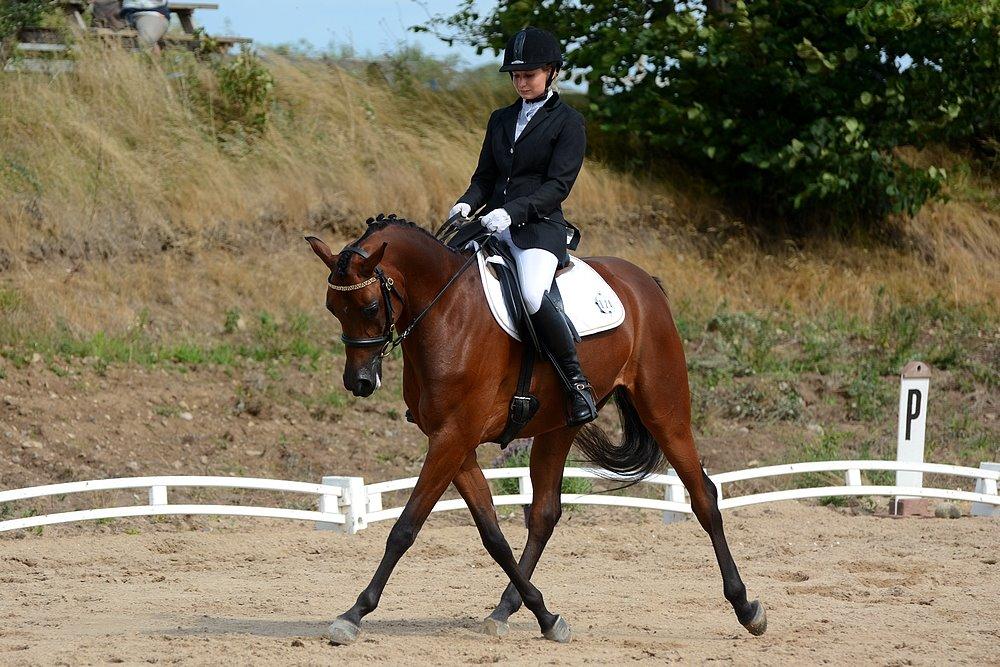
[530, 83]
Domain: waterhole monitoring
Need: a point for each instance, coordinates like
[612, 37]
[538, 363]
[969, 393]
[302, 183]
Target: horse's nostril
[364, 387]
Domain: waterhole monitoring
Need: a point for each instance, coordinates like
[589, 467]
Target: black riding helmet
[531, 48]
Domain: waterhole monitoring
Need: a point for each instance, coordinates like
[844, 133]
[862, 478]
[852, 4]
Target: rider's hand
[496, 220]
[460, 207]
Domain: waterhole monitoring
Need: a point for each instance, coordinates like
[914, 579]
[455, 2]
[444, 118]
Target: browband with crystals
[351, 288]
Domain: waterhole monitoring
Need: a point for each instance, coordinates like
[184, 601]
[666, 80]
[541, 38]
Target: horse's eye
[371, 309]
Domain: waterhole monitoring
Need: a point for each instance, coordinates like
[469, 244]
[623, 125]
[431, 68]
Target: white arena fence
[348, 504]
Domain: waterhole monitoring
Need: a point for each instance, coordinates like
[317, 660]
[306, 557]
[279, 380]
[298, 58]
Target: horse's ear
[322, 251]
[367, 266]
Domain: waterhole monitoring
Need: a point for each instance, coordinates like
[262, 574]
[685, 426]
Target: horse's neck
[424, 266]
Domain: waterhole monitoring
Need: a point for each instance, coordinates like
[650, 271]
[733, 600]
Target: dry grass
[117, 196]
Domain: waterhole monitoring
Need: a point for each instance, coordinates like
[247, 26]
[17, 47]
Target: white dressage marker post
[914, 385]
[989, 488]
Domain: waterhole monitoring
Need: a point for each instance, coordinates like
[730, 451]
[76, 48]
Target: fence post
[675, 493]
[524, 487]
[158, 495]
[353, 502]
[988, 487]
[914, 386]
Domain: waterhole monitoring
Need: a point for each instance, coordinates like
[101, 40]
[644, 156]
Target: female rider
[530, 158]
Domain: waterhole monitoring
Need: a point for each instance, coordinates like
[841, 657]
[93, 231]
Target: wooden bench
[225, 42]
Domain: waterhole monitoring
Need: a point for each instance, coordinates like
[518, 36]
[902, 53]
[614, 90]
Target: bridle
[389, 340]
[388, 288]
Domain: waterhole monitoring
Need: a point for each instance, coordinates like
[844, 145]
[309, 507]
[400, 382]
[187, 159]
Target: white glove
[460, 207]
[496, 220]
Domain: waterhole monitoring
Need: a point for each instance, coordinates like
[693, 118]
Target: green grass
[10, 300]
[292, 341]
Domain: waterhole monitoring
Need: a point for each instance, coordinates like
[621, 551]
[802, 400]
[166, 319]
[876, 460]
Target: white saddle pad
[590, 302]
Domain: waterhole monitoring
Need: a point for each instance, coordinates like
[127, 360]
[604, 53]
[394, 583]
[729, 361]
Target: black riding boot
[552, 328]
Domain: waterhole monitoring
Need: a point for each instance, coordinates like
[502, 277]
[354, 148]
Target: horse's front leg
[474, 488]
[444, 458]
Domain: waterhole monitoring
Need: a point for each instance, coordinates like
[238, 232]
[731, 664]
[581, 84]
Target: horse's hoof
[494, 628]
[758, 624]
[342, 632]
[559, 632]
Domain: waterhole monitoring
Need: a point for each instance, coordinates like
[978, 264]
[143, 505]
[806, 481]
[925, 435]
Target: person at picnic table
[150, 18]
[531, 156]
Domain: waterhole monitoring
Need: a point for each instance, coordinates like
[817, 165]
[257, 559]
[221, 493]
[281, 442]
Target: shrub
[16, 14]
[246, 87]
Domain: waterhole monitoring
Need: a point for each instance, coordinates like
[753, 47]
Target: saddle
[590, 306]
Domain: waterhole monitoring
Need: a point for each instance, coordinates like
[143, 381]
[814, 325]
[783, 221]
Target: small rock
[297, 643]
[753, 464]
[186, 416]
[133, 466]
[31, 444]
[947, 511]
[36, 358]
[178, 465]
[815, 428]
[203, 459]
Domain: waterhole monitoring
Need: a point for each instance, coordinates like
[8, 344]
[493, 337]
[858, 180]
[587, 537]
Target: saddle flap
[590, 303]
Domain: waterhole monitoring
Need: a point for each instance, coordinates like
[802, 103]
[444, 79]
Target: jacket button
[511, 150]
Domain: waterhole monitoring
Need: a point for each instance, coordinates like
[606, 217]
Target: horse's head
[360, 294]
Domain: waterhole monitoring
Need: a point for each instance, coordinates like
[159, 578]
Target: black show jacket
[531, 177]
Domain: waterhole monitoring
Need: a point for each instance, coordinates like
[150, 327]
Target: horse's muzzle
[366, 380]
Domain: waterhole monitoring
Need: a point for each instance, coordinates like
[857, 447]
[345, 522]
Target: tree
[795, 106]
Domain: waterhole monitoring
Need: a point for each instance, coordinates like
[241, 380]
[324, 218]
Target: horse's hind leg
[662, 400]
[548, 458]
[475, 490]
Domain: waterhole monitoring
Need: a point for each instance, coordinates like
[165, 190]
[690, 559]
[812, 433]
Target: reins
[390, 340]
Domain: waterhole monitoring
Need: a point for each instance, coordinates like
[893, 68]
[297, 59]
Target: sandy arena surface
[838, 588]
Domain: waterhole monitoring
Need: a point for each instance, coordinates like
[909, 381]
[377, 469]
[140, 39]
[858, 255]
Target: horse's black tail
[636, 457]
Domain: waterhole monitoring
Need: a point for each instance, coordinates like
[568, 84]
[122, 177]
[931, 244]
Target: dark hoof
[758, 624]
[559, 632]
[342, 632]
[494, 628]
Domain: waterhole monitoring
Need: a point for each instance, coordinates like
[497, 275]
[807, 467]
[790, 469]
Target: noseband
[388, 288]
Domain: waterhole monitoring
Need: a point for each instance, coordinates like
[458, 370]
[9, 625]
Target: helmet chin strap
[548, 83]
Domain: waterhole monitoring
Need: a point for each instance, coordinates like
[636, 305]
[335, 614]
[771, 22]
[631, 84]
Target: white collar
[532, 106]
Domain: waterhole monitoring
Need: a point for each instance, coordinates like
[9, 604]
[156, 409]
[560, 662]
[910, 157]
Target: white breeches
[535, 268]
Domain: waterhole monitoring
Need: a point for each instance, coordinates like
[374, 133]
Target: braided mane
[377, 224]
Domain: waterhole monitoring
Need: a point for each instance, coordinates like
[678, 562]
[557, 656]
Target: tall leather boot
[552, 328]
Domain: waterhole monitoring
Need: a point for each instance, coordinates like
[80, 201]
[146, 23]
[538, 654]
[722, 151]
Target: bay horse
[460, 370]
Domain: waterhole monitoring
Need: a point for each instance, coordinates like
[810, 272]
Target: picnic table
[44, 49]
[184, 11]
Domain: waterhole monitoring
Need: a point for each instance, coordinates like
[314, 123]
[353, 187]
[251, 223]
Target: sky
[372, 27]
